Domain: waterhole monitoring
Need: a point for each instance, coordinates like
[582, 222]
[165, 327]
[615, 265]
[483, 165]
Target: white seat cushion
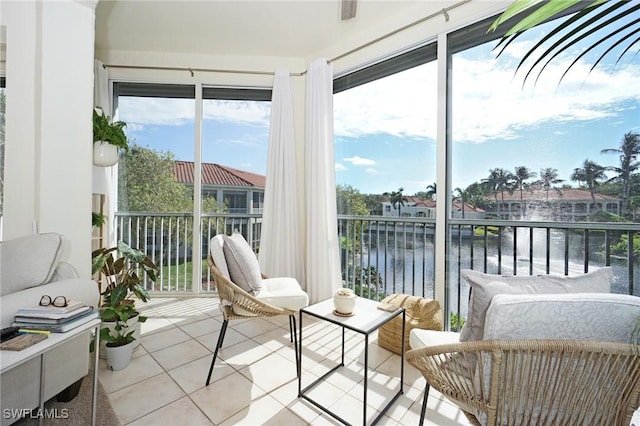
[242, 263]
[282, 292]
[420, 338]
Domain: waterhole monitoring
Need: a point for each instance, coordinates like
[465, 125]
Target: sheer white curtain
[322, 261]
[281, 239]
[105, 179]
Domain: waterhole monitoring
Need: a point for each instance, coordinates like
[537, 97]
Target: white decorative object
[118, 357]
[105, 154]
[344, 301]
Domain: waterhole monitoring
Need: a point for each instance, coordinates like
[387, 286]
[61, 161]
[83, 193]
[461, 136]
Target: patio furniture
[365, 319]
[543, 359]
[276, 296]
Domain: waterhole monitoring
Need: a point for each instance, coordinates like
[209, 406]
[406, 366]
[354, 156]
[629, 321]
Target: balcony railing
[384, 255]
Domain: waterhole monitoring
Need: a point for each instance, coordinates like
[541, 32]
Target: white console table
[12, 359]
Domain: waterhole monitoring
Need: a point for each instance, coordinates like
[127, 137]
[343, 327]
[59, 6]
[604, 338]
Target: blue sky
[385, 130]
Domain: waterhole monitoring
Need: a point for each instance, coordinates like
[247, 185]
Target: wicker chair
[560, 382]
[232, 296]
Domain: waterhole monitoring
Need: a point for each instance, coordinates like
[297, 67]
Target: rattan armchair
[559, 382]
[232, 295]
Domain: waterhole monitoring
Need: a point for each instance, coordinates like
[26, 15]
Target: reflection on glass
[3, 50]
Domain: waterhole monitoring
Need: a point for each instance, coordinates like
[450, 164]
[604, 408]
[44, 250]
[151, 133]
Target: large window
[158, 179]
[385, 165]
[540, 150]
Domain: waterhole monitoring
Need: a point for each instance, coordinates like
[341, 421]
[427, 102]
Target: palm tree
[602, 23]
[522, 174]
[591, 173]
[431, 191]
[499, 180]
[629, 151]
[460, 194]
[548, 178]
[397, 199]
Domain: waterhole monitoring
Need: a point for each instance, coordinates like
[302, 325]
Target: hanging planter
[105, 154]
[108, 139]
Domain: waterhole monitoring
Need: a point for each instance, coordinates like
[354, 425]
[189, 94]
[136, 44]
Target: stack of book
[54, 319]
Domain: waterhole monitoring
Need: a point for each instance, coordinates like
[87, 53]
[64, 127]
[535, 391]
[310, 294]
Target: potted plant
[108, 139]
[119, 339]
[121, 278]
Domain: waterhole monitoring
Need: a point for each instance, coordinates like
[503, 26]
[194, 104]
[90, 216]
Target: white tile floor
[254, 380]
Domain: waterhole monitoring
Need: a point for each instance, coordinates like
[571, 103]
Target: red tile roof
[215, 174]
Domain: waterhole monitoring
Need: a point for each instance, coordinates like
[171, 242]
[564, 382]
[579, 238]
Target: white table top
[11, 359]
[366, 318]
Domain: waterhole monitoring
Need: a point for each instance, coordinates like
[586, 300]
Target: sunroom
[417, 104]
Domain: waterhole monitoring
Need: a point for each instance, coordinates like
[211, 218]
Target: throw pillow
[485, 286]
[29, 261]
[242, 262]
[217, 253]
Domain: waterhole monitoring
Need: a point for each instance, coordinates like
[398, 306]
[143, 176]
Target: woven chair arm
[576, 381]
[232, 294]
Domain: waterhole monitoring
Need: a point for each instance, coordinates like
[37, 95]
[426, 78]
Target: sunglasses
[58, 301]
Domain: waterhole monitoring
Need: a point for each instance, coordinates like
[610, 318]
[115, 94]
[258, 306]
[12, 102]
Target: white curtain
[281, 238]
[105, 179]
[322, 260]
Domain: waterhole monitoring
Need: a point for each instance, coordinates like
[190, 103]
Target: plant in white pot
[108, 139]
[121, 271]
[119, 339]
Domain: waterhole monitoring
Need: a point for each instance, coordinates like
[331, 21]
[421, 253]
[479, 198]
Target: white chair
[246, 293]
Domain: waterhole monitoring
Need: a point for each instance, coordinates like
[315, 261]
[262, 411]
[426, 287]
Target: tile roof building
[238, 190]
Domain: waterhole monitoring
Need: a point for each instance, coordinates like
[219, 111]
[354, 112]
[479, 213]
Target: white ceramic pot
[344, 301]
[104, 154]
[118, 357]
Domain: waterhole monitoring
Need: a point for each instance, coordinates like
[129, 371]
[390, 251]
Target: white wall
[49, 99]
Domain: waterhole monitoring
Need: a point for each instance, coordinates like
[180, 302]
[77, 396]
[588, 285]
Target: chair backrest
[568, 377]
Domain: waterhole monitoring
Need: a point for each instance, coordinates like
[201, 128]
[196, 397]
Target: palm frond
[606, 20]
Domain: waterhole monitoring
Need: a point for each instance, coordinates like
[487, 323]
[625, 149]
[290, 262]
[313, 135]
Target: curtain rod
[444, 12]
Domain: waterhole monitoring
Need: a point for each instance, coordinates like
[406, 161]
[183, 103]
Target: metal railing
[384, 255]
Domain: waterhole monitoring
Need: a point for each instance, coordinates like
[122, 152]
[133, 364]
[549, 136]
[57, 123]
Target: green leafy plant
[122, 277]
[98, 219]
[456, 321]
[120, 334]
[106, 131]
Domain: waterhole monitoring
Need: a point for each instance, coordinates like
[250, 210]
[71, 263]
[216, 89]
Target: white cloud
[341, 168]
[142, 112]
[488, 102]
[359, 161]
[372, 171]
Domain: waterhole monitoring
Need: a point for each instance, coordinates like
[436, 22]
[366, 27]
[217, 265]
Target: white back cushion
[217, 254]
[485, 286]
[242, 263]
[29, 261]
[577, 316]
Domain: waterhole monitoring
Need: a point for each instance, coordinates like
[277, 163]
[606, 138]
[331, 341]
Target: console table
[12, 359]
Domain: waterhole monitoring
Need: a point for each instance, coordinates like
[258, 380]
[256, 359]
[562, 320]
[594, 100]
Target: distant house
[418, 207]
[571, 205]
[240, 191]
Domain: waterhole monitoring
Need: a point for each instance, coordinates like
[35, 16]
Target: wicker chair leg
[423, 410]
[223, 331]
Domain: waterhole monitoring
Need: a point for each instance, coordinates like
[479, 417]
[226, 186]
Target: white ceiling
[293, 28]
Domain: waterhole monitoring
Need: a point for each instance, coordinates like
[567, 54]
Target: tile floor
[254, 380]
